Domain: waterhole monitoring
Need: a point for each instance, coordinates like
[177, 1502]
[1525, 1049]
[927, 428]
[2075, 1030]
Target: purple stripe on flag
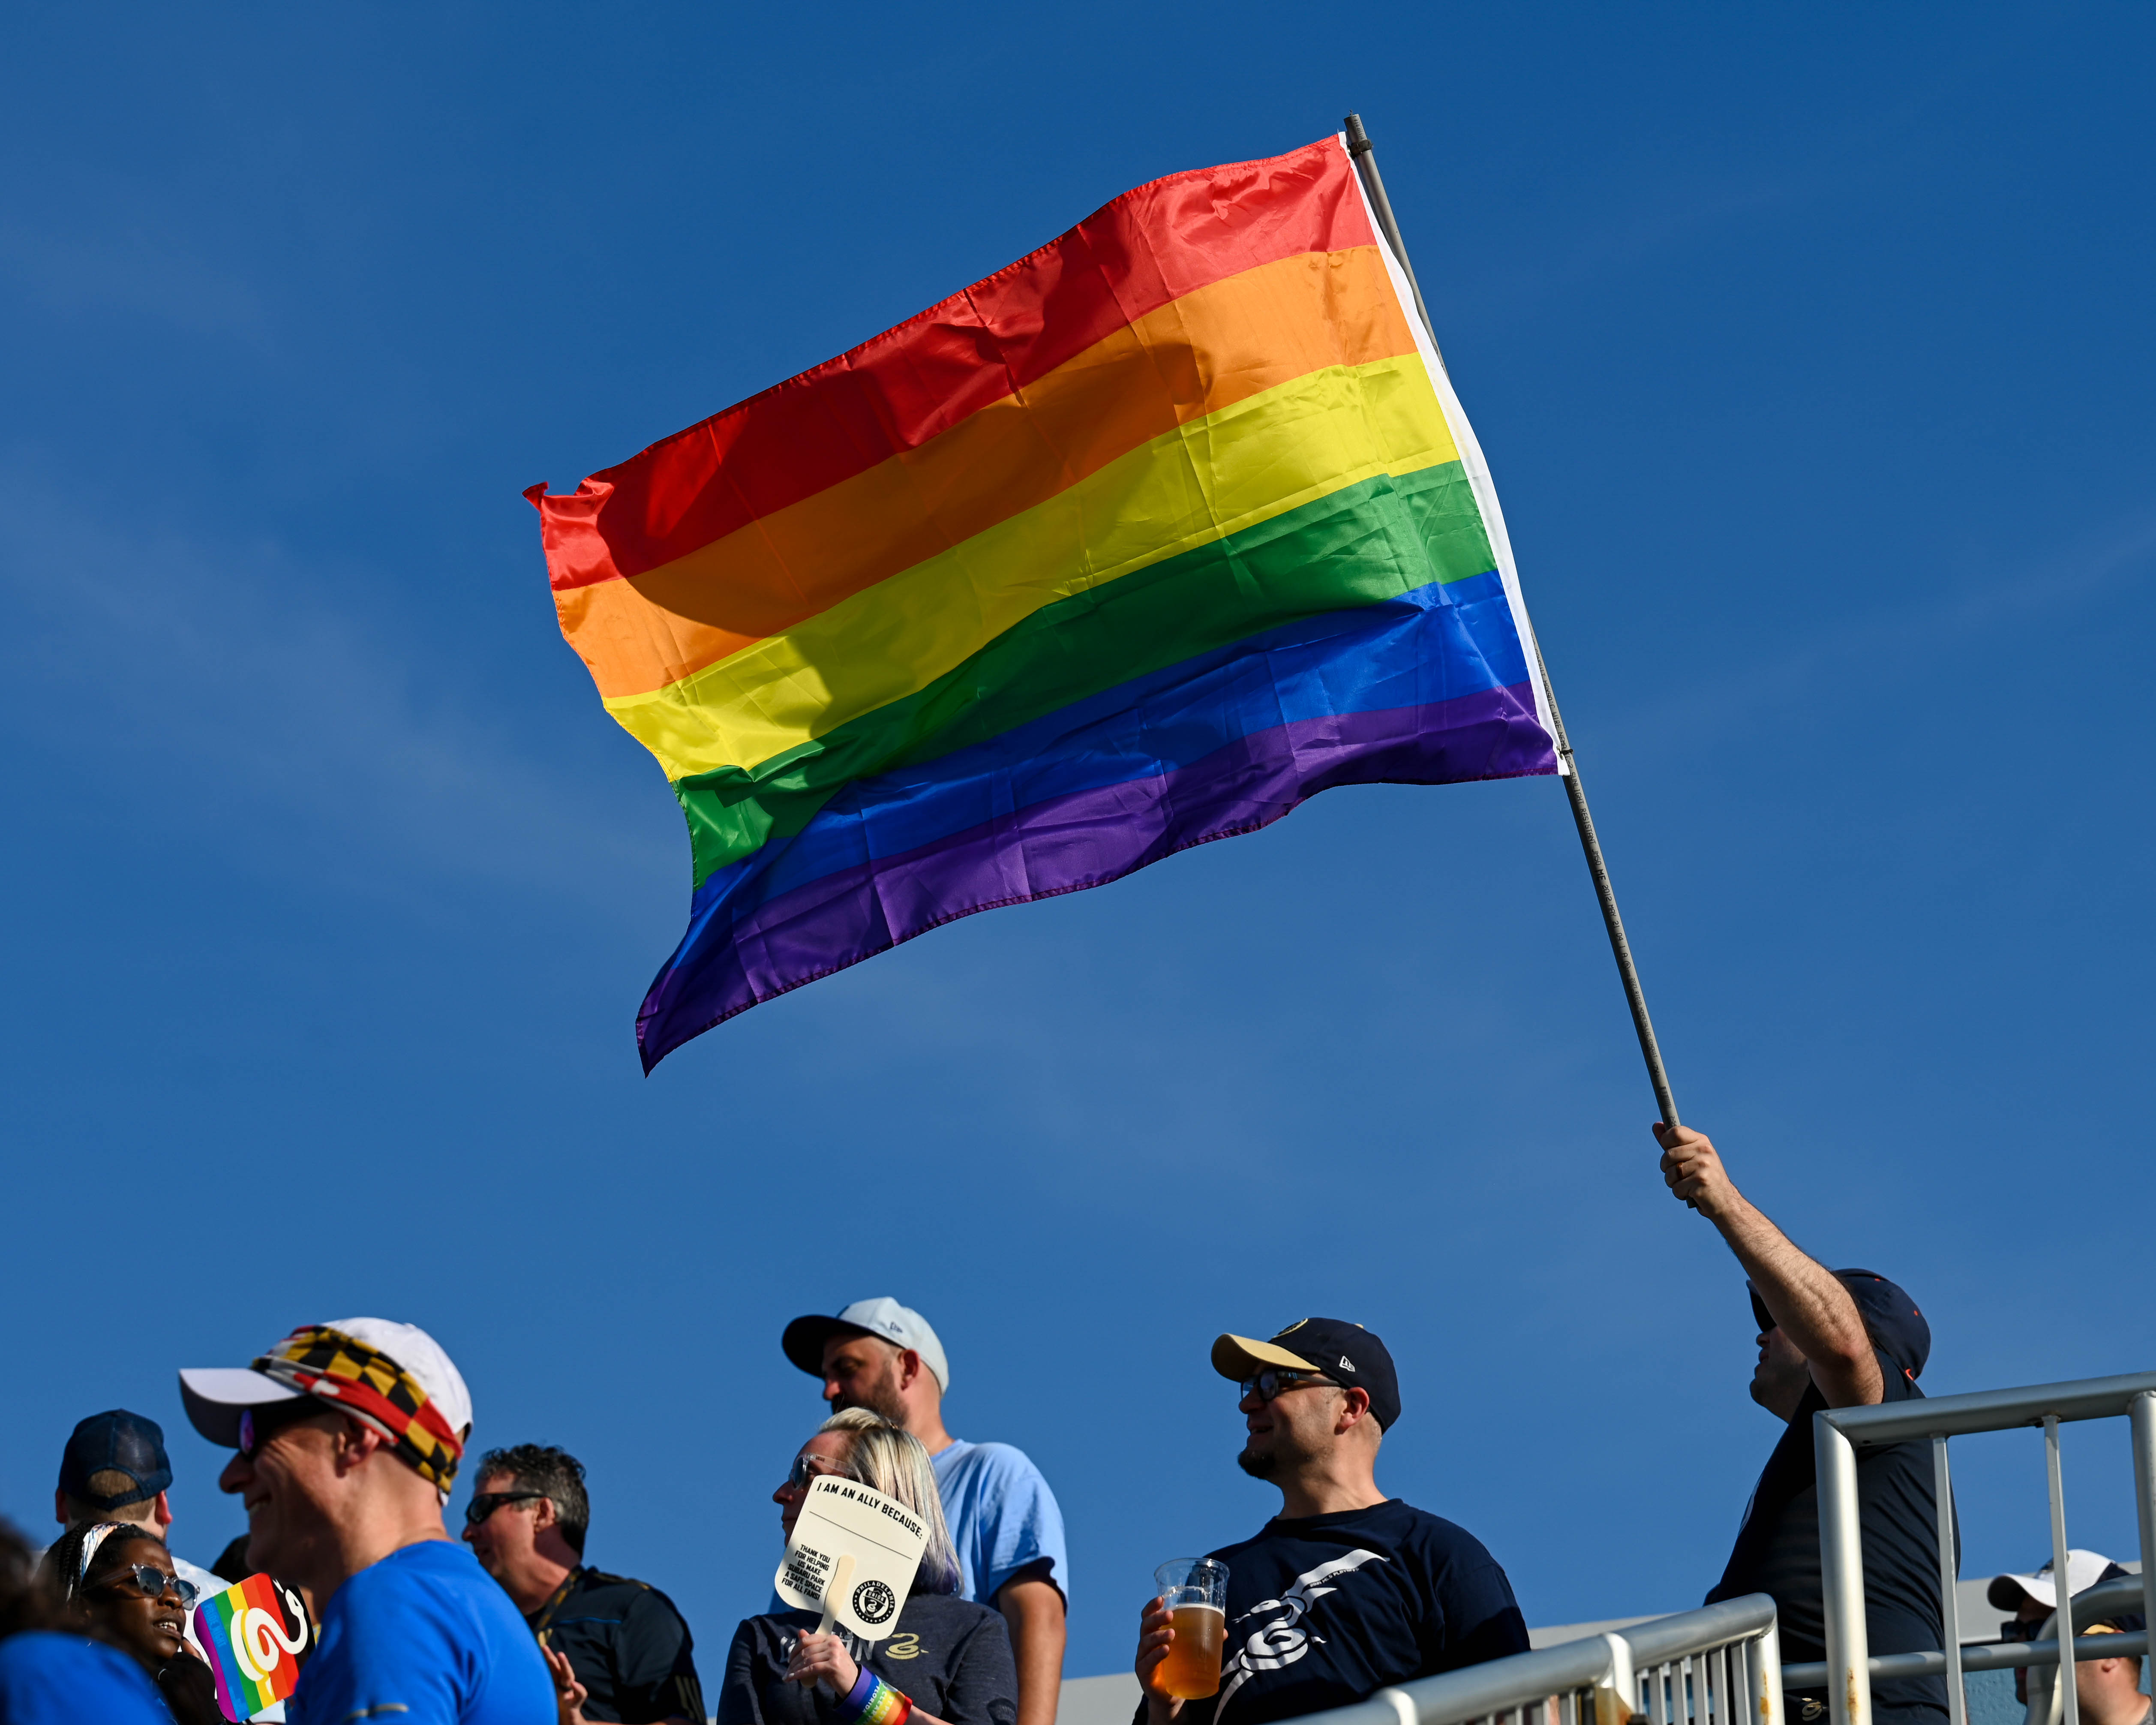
[727, 964]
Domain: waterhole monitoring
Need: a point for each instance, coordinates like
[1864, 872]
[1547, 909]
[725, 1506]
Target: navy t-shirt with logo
[1324, 1610]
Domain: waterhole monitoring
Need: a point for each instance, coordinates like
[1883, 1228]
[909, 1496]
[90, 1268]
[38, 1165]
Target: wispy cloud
[130, 267]
[2119, 554]
[221, 679]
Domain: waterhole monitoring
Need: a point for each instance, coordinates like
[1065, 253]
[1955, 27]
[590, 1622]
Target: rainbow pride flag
[254, 1658]
[1138, 543]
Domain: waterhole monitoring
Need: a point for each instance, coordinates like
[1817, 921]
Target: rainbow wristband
[873, 1702]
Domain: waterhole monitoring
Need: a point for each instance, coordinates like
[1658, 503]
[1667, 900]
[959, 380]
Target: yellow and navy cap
[1346, 1354]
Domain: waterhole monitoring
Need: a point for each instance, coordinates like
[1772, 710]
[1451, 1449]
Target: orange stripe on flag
[1213, 347]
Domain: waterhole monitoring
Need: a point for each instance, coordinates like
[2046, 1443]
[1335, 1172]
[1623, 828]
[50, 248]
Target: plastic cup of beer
[1196, 1590]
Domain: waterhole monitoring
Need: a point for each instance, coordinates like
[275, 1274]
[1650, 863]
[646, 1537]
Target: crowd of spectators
[346, 1439]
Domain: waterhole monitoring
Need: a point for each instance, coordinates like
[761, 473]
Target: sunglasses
[257, 1426]
[484, 1503]
[153, 1583]
[1278, 1380]
[808, 1469]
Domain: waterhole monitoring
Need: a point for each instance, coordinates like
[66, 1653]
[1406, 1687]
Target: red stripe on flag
[897, 390]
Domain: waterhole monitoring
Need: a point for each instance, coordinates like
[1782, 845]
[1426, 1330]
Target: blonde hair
[889, 1459]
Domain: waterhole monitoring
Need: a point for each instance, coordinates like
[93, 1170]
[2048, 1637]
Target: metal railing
[1718, 1665]
[1839, 1433]
[2120, 1595]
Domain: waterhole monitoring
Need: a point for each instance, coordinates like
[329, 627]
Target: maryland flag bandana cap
[366, 1382]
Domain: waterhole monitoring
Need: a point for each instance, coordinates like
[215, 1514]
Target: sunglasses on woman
[153, 1583]
[808, 1469]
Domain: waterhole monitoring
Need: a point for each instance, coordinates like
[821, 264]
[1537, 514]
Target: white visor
[216, 1396]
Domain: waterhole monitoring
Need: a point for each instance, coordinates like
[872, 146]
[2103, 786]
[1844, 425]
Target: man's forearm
[1813, 1308]
[1806, 1300]
[1033, 1611]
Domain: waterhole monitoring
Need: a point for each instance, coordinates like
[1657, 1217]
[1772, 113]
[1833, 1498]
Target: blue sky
[1812, 354]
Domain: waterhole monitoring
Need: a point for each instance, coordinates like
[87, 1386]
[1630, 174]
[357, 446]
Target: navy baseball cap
[1891, 1318]
[1347, 1353]
[117, 1442]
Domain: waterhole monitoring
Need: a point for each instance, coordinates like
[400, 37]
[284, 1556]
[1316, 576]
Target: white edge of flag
[1471, 460]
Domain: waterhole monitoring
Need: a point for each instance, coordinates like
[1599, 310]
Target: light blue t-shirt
[1002, 1516]
[51, 1679]
[424, 1637]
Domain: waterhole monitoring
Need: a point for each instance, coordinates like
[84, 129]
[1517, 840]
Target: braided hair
[84, 1554]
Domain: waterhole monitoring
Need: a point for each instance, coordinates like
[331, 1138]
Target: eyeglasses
[484, 1503]
[153, 1583]
[808, 1469]
[1278, 1380]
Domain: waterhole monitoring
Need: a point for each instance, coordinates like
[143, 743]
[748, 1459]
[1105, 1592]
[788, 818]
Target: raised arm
[1802, 1295]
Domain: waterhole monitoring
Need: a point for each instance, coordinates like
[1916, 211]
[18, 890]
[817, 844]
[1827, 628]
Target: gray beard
[1259, 1468]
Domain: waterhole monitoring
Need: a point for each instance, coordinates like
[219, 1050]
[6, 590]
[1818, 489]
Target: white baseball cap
[2084, 1569]
[216, 1396]
[900, 1325]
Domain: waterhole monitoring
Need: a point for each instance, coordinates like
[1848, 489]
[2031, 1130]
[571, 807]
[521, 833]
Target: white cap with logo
[901, 1326]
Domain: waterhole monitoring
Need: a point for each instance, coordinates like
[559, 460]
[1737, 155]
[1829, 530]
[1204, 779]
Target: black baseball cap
[1347, 1353]
[1897, 1327]
[116, 1442]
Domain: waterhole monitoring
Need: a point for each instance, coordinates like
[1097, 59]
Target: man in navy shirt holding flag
[1828, 1338]
[1346, 1590]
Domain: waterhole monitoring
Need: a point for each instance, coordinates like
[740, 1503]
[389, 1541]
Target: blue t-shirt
[424, 1637]
[1002, 1516]
[49, 1679]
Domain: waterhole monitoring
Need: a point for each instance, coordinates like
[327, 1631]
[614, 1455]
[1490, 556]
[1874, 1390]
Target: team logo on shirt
[1283, 1639]
[905, 1647]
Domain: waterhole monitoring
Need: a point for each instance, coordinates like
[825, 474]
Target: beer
[1192, 1670]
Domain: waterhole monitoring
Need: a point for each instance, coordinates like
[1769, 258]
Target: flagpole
[1366, 164]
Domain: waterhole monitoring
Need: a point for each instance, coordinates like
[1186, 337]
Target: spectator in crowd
[116, 1579]
[947, 1660]
[50, 1672]
[232, 1562]
[349, 1436]
[879, 1355]
[617, 1647]
[1827, 1339]
[114, 1469]
[2109, 1689]
[1346, 1590]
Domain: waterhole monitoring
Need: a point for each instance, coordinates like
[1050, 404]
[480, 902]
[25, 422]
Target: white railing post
[2069, 1690]
[1766, 1667]
[1621, 1688]
[2141, 1418]
[1949, 1600]
[1841, 1575]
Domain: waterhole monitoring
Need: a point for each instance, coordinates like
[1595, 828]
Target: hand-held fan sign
[253, 1642]
[852, 1557]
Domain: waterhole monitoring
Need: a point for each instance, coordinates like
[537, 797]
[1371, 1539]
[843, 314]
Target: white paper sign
[842, 1518]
